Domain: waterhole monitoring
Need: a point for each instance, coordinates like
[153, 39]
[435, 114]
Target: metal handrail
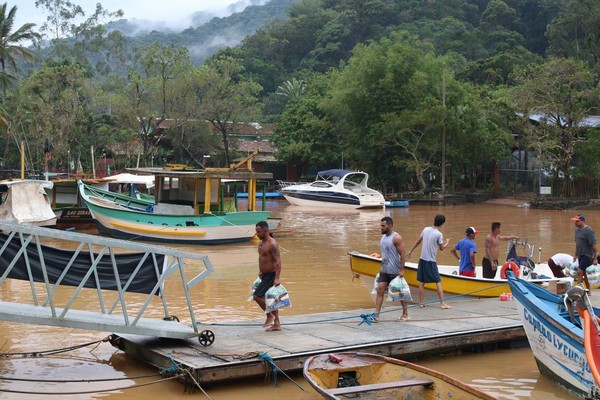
[44, 306]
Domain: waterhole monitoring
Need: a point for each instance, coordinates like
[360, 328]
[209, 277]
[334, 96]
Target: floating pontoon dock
[235, 354]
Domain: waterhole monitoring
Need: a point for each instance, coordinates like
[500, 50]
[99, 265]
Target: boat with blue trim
[334, 188]
[554, 327]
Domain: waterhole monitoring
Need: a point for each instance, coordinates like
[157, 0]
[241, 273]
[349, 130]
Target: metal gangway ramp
[116, 269]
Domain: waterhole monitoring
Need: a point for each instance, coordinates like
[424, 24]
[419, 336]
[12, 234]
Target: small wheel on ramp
[206, 338]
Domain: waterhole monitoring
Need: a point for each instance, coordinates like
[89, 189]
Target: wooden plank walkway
[234, 353]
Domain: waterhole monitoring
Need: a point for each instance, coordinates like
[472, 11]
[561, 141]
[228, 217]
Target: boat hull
[122, 222]
[557, 343]
[193, 229]
[343, 189]
[367, 267]
[370, 376]
[330, 199]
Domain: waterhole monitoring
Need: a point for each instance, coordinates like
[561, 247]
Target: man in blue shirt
[467, 248]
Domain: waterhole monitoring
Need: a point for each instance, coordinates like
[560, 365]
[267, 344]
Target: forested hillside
[405, 89]
[217, 33]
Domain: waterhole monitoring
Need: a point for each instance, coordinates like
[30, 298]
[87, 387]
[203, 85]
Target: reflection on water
[316, 273]
[507, 374]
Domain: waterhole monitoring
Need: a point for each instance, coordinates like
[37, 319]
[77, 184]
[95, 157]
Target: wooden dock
[237, 346]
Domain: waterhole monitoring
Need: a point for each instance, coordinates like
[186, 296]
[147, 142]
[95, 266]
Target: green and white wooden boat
[122, 199]
[187, 209]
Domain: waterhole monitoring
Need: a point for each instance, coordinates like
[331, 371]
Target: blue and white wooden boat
[556, 337]
[338, 188]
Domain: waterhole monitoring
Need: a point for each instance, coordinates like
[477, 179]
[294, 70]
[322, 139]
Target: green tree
[72, 34]
[561, 92]
[587, 154]
[304, 136]
[387, 105]
[57, 100]
[159, 88]
[576, 32]
[387, 101]
[226, 98]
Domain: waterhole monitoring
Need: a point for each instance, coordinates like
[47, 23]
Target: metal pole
[444, 130]
[23, 160]
[93, 163]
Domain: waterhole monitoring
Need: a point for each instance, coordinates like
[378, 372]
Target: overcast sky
[174, 12]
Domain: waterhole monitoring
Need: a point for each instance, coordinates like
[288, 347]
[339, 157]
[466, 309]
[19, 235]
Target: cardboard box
[558, 287]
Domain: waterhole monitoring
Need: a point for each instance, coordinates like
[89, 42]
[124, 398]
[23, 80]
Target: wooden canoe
[372, 376]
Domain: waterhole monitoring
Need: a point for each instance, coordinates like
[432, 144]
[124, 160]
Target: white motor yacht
[338, 188]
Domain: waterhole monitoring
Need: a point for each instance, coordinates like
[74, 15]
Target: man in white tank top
[392, 264]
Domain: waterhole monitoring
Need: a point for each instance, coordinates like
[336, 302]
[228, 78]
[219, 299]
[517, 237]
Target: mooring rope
[90, 391]
[368, 319]
[197, 383]
[173, 368]
[269, 361]
[5, 378]
[54, 351]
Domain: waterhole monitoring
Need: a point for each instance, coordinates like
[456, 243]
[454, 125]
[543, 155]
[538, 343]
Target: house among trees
[252, 136]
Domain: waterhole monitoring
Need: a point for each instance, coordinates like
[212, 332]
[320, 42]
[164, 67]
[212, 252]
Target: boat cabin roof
[332, 173]
[240, 175]
[6, 184]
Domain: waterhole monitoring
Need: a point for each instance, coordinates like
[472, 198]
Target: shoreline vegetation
[522, 200]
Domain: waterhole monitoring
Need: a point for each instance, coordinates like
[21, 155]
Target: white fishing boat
[338, 188]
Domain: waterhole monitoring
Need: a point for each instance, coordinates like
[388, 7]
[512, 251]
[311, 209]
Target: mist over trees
[376, 83]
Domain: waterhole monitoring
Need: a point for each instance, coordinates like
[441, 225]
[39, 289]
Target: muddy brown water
[316, 273]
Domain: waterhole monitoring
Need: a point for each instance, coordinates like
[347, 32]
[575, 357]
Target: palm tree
[292, 89]
[10, 42]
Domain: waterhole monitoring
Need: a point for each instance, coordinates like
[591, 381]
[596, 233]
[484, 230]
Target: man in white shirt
[427, 271]
[560, 262]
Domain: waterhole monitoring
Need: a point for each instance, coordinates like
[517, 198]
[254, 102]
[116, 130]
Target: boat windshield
[321, 184]
[358, 179]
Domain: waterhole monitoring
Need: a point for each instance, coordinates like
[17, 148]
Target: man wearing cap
[467, 249]
[585, 248]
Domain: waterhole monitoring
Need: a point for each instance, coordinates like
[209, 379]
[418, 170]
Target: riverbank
[521, 200]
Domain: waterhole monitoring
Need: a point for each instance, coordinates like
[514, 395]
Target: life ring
[513, 267]
[376, 255]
